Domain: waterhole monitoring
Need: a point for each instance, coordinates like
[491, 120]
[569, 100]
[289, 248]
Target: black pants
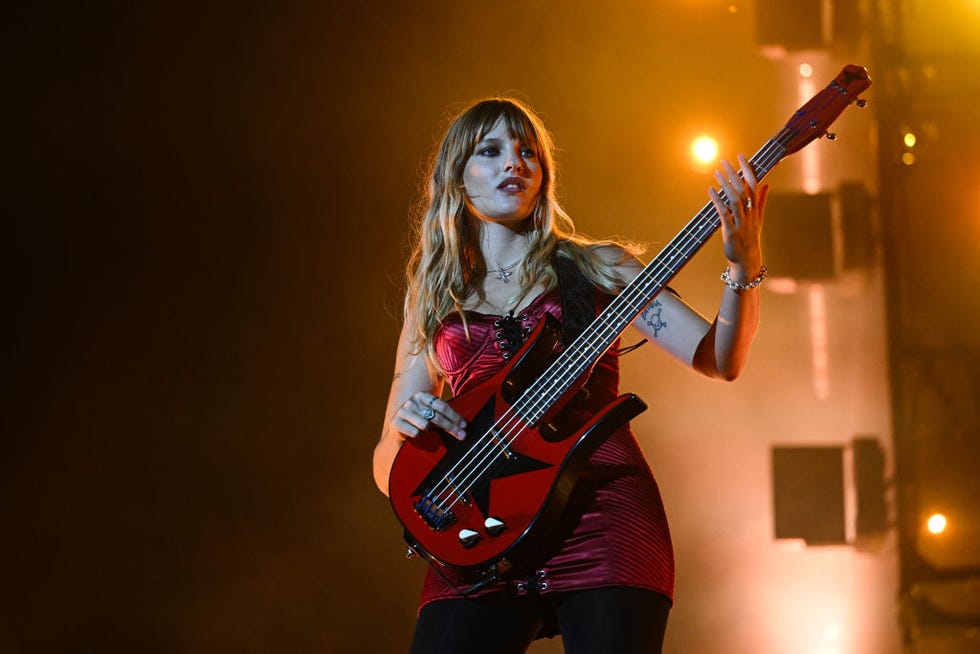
[616, 620]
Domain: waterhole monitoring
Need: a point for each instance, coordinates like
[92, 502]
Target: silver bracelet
[747, 286]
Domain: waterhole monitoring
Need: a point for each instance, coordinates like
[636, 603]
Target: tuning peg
[831, 136]
[862, 103]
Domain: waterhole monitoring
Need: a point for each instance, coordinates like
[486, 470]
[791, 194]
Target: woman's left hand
[741, 218]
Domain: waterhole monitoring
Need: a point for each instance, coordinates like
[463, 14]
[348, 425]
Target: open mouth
[512, 184]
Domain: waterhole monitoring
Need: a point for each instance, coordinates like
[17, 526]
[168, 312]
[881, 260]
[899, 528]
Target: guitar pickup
[499, 442]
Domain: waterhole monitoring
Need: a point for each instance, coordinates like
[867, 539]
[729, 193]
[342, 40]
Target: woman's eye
[489, 152]
[527, 152]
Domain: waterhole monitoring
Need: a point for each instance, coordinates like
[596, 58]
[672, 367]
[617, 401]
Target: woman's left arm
[718, 349]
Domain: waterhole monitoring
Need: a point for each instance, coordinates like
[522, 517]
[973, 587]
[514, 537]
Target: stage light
[806, 70]
[936, 524]
[833, 633]
[704, 149]
[909, 139]
[908, 158]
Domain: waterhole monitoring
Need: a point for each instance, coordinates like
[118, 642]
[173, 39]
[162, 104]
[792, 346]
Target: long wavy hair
[447, 262]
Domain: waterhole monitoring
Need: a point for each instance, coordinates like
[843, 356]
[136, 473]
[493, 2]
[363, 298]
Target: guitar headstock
[811, 121]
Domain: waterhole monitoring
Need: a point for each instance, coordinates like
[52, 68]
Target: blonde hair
[446, 259]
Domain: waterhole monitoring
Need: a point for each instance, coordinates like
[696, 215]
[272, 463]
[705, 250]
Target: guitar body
[444, 491]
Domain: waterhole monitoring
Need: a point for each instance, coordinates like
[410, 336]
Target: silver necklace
[504, 273]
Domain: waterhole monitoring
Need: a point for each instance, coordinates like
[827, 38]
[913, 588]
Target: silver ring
[428, 413]
[748, 204]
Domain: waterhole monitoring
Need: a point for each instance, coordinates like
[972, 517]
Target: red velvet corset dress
[616, 529]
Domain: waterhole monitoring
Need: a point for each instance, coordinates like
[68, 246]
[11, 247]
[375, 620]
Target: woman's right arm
[415, 389]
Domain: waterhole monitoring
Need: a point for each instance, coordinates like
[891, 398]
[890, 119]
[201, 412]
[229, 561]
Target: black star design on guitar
[488, 461]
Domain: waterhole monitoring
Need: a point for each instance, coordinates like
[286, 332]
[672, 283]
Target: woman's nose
[514, 162]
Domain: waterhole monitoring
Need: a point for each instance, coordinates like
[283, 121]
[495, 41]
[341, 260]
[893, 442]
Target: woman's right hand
[422, 411]
[413, 407]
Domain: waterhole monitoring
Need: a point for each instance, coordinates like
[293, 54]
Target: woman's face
[502, 177]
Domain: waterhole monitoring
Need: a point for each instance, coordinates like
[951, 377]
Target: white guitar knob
[468, 537]
[494, 526]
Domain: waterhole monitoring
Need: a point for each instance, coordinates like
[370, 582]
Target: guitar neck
[581, 355]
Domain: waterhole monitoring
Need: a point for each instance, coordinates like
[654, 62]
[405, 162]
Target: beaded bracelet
[747, 286]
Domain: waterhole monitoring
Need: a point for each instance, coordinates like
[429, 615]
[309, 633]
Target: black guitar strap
[578, 302]
[577, 299]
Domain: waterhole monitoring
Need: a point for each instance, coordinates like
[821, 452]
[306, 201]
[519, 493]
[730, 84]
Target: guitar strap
[577, 299]
[578, 302]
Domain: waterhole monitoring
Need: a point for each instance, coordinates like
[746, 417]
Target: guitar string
[637, 296]
[511, 423]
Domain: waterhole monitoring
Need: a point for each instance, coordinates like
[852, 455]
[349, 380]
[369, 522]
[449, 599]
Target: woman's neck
[503, 246]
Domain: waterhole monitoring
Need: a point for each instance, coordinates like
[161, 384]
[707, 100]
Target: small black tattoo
[398, 375]
[653, 317]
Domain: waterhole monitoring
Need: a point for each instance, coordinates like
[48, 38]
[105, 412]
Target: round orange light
[704, 149]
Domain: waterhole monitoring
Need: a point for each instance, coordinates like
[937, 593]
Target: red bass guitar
[477, 505]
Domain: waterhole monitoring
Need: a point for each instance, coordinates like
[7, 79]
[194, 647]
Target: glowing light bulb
[936, 524]
[909, 139]
[704, 149]
[806, 70]
[908, 158]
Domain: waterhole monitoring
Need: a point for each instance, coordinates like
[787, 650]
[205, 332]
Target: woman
[488, 254]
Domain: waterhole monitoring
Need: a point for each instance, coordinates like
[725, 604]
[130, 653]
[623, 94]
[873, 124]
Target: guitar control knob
[468, 537]
[831, 136]
[862, 103]
[494, 526]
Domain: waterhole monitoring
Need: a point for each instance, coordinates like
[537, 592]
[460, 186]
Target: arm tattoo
[653, 317]
[398, 375]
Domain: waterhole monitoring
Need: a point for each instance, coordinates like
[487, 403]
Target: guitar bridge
[436, 514]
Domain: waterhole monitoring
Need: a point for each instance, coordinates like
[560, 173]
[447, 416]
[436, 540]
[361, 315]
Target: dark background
[205, 229]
